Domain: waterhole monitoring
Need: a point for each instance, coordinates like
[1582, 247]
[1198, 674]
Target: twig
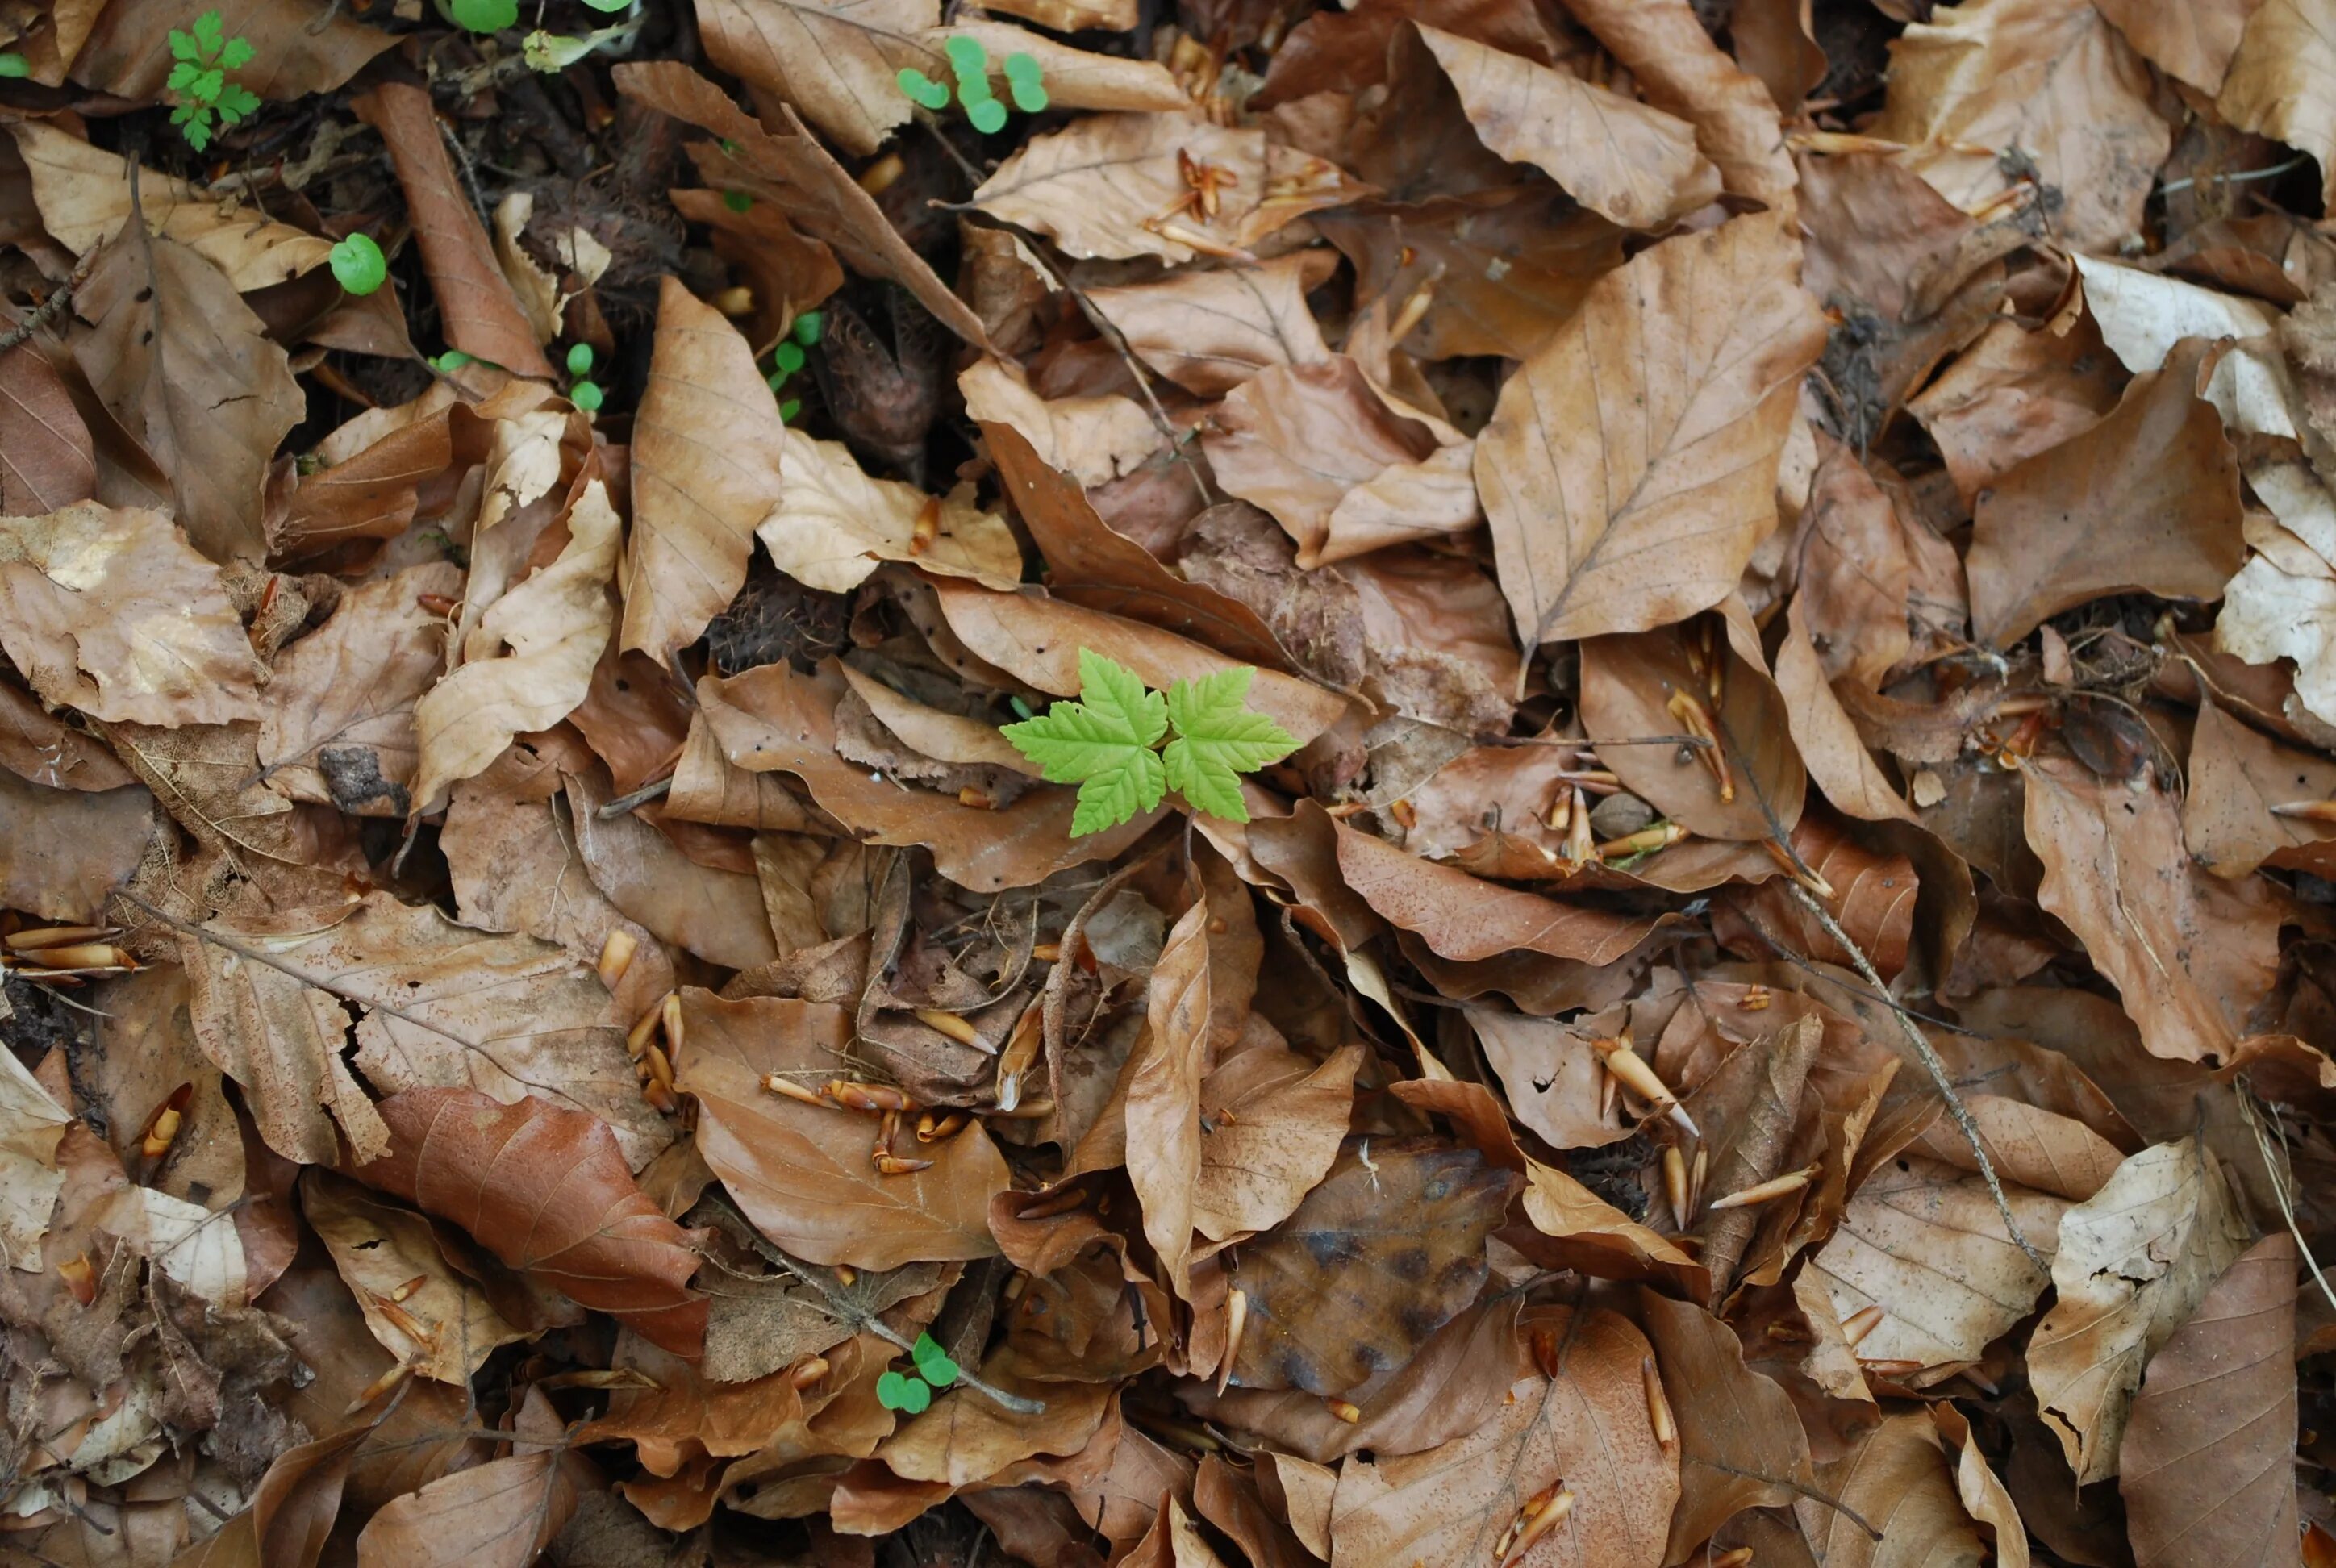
[640, 797]
[2278, 1186]
[862, 1321]
[48, 309]
[1929, 1057]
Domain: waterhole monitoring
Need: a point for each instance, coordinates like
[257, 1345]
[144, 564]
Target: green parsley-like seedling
[1107, 743]
[358, 264]
[201, 60]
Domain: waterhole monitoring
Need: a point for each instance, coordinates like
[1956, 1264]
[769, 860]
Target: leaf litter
[1485, 782]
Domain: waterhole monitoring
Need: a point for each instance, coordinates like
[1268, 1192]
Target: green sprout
[203, 60]
[585, 394]
[452, 360]
[913, 1391]
[483, 15]
[969, 63]
[357, 262]
[13, 64]
[1108, 743]
[788, 358]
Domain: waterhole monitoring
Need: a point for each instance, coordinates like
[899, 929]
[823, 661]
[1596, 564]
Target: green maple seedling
[1107, 743]
[200, 62]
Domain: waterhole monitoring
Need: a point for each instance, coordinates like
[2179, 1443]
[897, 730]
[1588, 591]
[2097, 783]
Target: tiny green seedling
[969, 63]
[483, 15]
[913, 1391]
[358, 264]
[1108, 743]
[788, 358]
[13, 65]
[198, 76]
[585, 394]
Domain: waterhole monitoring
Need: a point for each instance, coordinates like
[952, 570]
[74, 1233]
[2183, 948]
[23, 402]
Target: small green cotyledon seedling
[198, 76]
[483, 15]
[585, 394]
[1106, 743]
[787, 358]
[913, 1391]
[970, 62]
[358, 264]
[13, 64]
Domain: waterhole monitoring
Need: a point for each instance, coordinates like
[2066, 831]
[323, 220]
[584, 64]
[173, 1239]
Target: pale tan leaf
[1208, 331]
[338, 728]
[1925, 1244]
[178, 357]
[498, 1515]
[711, 911]
[1984, 1496]
[2282, 82]
[31, 1124]
[554, 625]
[1629, 468]
[199, 1251]
[1740, 1444]
[1899, 1483]
[1093, 186]
[387, 1254]
[834, 524]
[1164, 1093]
[2049, 78]
[2135, 1261]
[2190, 39]
[84, 195]
[1288, 1116]
[1682, 71]
[1621, 159]
[62, 850]
[2028, 1144]
[2188, 952]
[705, 474]
[111, 612]
[1075, 78]
[1094, 440]
[2208, 1471]
[967, 1437]
[833, 59]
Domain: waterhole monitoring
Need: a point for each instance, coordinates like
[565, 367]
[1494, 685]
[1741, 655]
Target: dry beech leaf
[833, 524]
[40, 749]
[1682, 71]
[1629, 468]
[47, 461]
[381, 1251]
[1092, 440]
[178, 357]
[373, 487]
[2135, 1261]
[84, 195]
[1740, 1444]
[2028, 1144]
[1460, 916]
[481, 316]
[339, 723]
[1588, 1427]
[1340, 468]
[1074, 78]
[1552, 1078]
[833, 59]
[1090, 565]
[2193, 42]
[1897, 1483]
[2208, 1470]
[110, 611]
[547, 1191]
[1211, 331]
[1163, 1100]
[1621, 159]
[441, 1006]
[802, 1172]
[2237, 775]
[2048, 77]
[1387, 1248]
[2188, 952]
[2016, 392]
[2146, 501]
[554, 625]
[717, 914]
[705, 473]
[968, 1438]
[2279, 83]
[60, 850]
[1923, 1242]
[499, 1515]
[791, 168]
[297, 53]
[31, 1126]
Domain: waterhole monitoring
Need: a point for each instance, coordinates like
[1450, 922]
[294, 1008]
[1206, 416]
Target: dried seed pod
[45, 936]
[1675, 1189]
[932, 1129]
[778, 1084]
[1344, 1411]
[893, 1165]
[1236, 1320]
[1858, 1325]
[616, 956]
[1763, 1191]
[808, 1371]
[78, 1278]
[870, 1098]
[643, 1028]
[1658, 1405]
[1547, 1518]
[953, 1025]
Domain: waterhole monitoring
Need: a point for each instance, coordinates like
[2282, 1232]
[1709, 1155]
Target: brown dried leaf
[501, 1515]
[967, 1436]
[2147, 499]
[62, 850]
[547, 1191]
[1680, 70]
[2237, 775]
[181, 361]
[790, 167]
[1623, 160]
[705, 473]
[2207, 1471]
[480, 315]
[46, 460]
[372, 492]
[802, 1172]
[1163, 1093]
[2050, 78]
[2193, 42]
[2187, 952]
[1271, 1122]
[1897, 1483]
[2017, 392]
[833, 524]
[715, 913]
[2280, 81]
[298, 51]
[1588, 1429]
[1740, 1444]
[110, 611]
[1629, 468]
[833, 59]
[1211, 331]
[1461, 917]
[382, 1251]
[2135, 1261]
[1380, 1255]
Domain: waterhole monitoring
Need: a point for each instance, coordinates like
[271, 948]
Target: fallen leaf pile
[1778, 1013]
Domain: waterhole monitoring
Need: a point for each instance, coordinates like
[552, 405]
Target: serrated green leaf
[1102, 742]
[182, 75]
[1219, 737]
[235, 101]
[197, 128]
[182, 48]
[237, 53]
[209, 32]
